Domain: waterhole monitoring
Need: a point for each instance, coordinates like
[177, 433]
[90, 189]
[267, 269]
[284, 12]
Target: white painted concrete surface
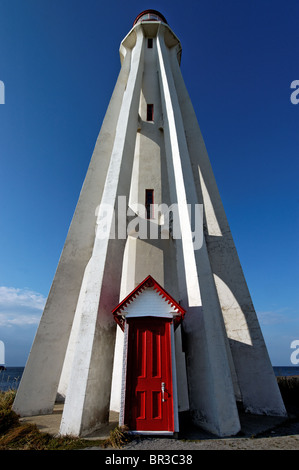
[220, 353]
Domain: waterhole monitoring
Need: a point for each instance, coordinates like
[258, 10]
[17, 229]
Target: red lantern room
[149, 15]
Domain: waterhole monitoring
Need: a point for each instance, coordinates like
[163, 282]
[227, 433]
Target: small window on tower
[150, 43]
[150, 112]
[149, 201]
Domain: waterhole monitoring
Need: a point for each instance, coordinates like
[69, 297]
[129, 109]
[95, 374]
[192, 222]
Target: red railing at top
[150, 15]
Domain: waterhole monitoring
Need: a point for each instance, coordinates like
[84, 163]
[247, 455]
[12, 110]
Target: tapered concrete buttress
[38, 387]
[149, 214]
[209, 377]
[250, 364]
[93, 356]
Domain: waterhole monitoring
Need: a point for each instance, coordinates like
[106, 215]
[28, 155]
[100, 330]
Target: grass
[15, 435]
[289, 389]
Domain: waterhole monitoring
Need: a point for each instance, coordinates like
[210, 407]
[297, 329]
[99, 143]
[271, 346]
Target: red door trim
[149, 364]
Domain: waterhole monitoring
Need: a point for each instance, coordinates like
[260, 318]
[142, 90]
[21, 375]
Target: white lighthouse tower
[149, 313]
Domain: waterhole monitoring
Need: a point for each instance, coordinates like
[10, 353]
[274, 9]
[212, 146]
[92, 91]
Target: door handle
[163, 390]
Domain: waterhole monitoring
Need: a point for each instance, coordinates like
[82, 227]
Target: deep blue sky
[59, 62]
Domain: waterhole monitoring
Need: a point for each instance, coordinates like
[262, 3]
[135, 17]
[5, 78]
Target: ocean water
[285, 371]
[10, 378]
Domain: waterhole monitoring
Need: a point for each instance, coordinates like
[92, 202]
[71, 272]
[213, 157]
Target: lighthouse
[149, 313]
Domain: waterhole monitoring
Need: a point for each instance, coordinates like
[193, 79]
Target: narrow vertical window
[149, 201]
[150, 43]
[150, 112]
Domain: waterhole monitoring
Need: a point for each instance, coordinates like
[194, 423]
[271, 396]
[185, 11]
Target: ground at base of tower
[258, 433]
[284, 436]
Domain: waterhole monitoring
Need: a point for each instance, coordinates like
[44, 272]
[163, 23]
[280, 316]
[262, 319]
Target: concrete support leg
[211, 393]
[38, 388]
[87, 400]
[255, 382]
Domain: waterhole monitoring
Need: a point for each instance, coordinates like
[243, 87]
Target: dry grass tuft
[15, 435]
[118, 437]
[289, 388]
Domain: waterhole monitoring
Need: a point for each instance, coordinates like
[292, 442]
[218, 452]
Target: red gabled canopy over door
[149, 395]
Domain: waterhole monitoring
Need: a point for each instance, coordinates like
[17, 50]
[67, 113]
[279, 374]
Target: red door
[149, 396]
